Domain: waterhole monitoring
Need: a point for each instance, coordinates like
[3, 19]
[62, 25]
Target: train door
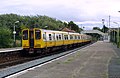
[31, 38]
[25, 39]
[37, 39]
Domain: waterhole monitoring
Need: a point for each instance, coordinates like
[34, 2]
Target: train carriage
[36, 39]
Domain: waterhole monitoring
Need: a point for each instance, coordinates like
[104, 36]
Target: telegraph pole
[109, 29]
[103, 20]
[109, 22]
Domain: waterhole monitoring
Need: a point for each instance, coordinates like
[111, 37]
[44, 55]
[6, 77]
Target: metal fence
[115, 38]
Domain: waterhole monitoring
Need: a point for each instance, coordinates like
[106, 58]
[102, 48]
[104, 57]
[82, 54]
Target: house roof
[92, 31]
[67, 30]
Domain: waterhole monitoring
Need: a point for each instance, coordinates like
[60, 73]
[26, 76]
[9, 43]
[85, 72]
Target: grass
[118, 61]
[105, 75]
[69, 60]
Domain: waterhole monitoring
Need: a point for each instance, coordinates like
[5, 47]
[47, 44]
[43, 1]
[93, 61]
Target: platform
[2, 50]
[90, 62]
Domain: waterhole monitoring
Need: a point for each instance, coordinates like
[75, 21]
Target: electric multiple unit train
[37, 40]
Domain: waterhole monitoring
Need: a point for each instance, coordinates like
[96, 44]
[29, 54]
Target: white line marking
[9, 50]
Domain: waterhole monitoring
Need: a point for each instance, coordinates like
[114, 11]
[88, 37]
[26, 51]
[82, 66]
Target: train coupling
[31, 50]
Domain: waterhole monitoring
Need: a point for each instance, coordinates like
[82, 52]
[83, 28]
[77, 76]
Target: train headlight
[25, 46]
[37, 45]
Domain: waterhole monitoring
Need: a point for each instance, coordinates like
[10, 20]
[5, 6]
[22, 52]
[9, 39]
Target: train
[38, 40]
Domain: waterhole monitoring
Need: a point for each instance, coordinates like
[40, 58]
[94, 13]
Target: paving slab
[114, 64]
[89, 62]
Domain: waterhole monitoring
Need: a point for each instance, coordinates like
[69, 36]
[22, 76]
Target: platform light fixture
[14, 33]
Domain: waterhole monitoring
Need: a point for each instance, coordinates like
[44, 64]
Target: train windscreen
[25, 35]
[37, 34]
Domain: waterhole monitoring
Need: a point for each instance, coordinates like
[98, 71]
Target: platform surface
[2, 50]
[89, 62]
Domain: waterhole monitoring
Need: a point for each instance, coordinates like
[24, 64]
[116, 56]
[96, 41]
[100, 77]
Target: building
[97, 34]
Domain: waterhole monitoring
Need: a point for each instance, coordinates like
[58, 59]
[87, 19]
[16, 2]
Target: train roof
[51, 31]
[55, 31]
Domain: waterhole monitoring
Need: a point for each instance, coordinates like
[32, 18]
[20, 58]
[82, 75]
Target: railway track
[28, 62]
[15, 61]
[7, 57]
[11, 59]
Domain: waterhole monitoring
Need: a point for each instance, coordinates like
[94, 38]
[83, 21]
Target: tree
[73, 26]
[5, 37]
[65, 24]
[105, 29]
[7, 21]
[96, 28]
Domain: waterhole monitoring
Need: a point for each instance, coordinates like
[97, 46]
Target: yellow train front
[37, 40]
[31, 40]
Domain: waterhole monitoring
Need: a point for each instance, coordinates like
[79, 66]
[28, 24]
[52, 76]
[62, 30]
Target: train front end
[31, 40]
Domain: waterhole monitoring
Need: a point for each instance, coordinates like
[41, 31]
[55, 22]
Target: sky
[85, 13]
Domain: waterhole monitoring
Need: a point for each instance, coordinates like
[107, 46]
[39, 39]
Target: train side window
[54, 36]
[59, 37]
[25, 35]
[71, 37]
[50, 37]
[82, 37]
[37, 34]
[66, 37]
[75, 37]
[44, 36]
[78, 37]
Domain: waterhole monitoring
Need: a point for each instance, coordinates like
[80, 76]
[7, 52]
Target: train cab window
[25, 35]
[37, 34]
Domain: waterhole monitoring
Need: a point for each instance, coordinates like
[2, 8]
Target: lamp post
[114, 35]
[117, 34]
[14, 33]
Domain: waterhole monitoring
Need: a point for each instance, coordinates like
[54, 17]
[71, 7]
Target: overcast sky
[87, 13]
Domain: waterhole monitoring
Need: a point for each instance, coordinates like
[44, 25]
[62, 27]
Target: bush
[5, 37]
